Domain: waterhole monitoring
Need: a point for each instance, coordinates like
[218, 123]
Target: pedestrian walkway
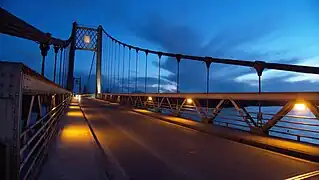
[74, 154]
[292, 148]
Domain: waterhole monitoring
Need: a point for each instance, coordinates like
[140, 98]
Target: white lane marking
[305, 176]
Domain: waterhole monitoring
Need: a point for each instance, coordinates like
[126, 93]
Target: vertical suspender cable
[136, 59]
[129, 71]
[178, 58]
[105, 67]
[146, 54]
[87, 84]
[111, 71]
[109, 64]
[123, 69]
[114, 66]
[118, 69]
[60, 77]
[63, 69]
[159, 73]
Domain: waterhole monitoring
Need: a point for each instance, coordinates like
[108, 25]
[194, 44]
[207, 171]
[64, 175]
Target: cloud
[186, 40]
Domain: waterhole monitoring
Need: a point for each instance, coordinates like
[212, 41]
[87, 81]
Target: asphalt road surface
[148, 148]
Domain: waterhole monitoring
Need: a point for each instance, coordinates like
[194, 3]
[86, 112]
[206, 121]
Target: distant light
[87, 39]
[189, 100]
[300, 107]
[150, 98]
[78, 97]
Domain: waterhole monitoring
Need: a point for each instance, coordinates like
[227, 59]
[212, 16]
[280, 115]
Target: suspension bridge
[129, 128]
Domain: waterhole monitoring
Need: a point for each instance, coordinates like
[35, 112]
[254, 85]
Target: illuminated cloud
[252, 78]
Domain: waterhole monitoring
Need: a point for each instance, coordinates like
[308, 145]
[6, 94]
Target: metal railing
[232, 111]
[35, 138]
[31, 107]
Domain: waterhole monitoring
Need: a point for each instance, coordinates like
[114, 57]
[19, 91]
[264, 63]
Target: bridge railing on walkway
[238, 110]
[31, 106]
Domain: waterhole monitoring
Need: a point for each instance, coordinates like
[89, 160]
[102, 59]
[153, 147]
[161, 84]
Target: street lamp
[87, 39]
[150, 98]
[300, 107]
[189, 100]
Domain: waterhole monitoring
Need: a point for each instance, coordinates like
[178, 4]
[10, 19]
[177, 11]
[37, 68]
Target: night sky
[285, 31]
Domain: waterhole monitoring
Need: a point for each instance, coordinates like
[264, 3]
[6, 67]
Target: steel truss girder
[158, 102]
[263, 96]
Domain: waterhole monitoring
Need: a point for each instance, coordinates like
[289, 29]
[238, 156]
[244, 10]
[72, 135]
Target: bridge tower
[89, 39]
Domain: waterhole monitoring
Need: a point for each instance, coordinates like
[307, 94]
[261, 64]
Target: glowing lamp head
[87, 39]
[189, 101]
[300, 107]
[150, 98]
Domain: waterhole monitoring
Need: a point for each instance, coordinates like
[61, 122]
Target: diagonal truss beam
[313, 108]
[277, 117]
[246, 116]
[218, 109]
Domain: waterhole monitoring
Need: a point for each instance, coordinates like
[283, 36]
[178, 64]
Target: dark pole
[56, 50]
[146, 54]
[129, 71]
[136, 58]
[44, 52]
[60, 77]
[159, 72]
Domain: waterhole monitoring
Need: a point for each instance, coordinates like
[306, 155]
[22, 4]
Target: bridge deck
[148, 149]
[284, 146]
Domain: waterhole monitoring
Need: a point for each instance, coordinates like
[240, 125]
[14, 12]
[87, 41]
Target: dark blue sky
[283, 31]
